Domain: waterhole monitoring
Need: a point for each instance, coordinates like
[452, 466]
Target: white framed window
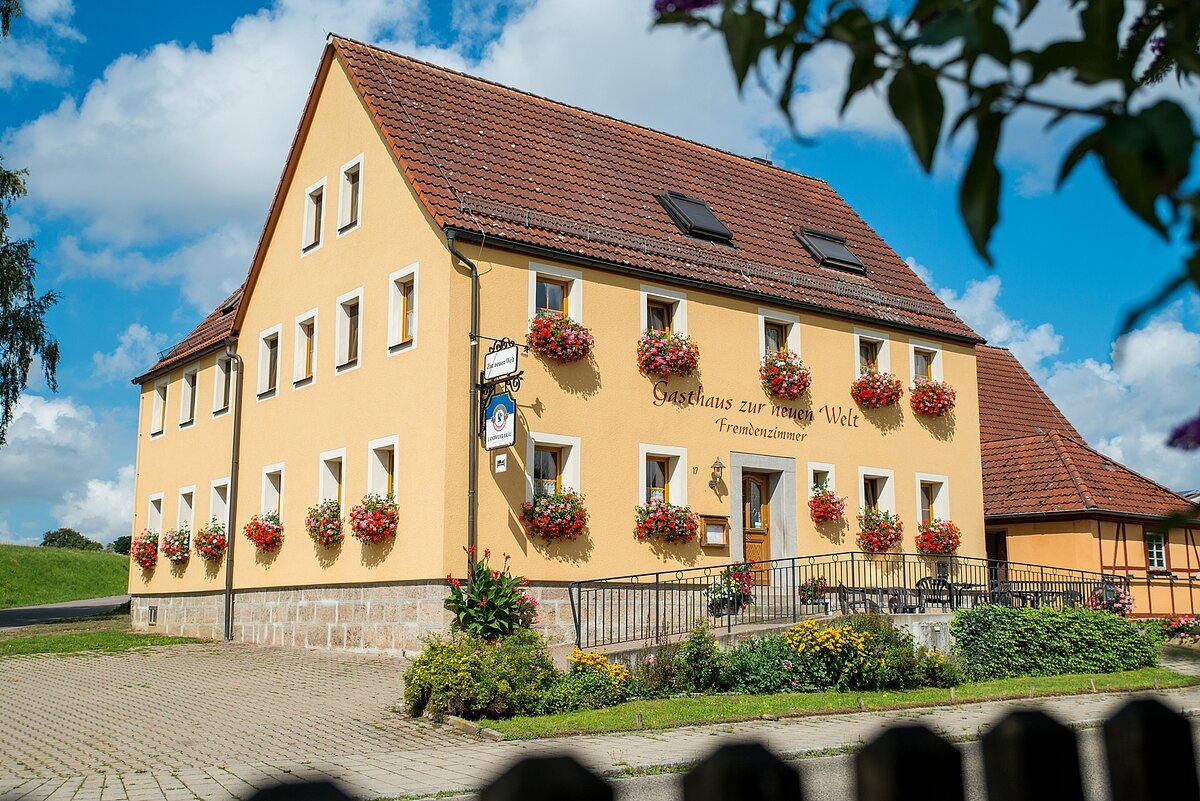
[403, 291]
[304, 361]
[186, 515]
[272, 489]
[933, 497]
[877, 489]
[566, 467]
[381, 465]
[924, 360]
[778, 331]
[314, 217]
[349, 331]
[268, 362]
[350, 194]
[223, 385]
[871, 348]
[332, 477]
[555, 290]
[821, 473]
[154, 513]
[1156, 550]
[668, 462]
[218, 503]
[187, 396]
[158, 411]
[663, 309]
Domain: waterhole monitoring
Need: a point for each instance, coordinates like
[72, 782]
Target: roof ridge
[1080, 485]
[1110, 460]
[563, 104]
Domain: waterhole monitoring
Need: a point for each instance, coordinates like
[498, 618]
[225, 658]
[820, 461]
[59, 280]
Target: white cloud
[53, 14]
[978, 305]
[31, 61]
[103, 510]
[136, 351]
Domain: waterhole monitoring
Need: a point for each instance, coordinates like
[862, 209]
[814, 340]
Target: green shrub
[587, 689]
[936, 668]
[996, 642]
[471, 677]
[764, 665]
[491, 603]
[698, 662]
[891, 662]
[655, 675]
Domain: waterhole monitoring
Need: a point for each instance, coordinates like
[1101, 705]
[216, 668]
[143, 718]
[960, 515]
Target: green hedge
[997, 642]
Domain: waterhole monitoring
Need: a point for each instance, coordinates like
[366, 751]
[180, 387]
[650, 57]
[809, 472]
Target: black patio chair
[932, 590]
[904, 601]
[856, 600]
[1001, 592]
[1071, 599]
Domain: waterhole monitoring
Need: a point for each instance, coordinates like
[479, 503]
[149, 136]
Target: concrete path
[215, 722]
[48, 613]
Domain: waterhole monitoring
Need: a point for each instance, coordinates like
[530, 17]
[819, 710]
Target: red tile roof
[207, 335]
[1011, 404]
[1049, 472]
[492, 161]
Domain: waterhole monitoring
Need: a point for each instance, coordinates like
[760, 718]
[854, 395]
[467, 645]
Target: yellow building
[419, 206]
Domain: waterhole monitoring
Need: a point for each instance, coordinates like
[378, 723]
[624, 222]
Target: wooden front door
[996, 543]
[756, 523]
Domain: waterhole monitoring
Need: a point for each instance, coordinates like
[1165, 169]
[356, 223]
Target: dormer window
[830, 250]
[694, 217]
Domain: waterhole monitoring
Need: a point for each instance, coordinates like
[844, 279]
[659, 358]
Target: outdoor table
[960, 591]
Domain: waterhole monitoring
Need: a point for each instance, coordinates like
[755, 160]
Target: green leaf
[1027, 8]
[979, 195]
[745, 37]
[864, 72]
[917, 103]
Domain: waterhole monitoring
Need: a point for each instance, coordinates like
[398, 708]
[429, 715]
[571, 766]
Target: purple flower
[1187, 436]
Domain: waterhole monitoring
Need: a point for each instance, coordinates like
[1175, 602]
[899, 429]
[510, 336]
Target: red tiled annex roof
[1050, 472]
[1011, 404]
[490, 160]
[208, 334]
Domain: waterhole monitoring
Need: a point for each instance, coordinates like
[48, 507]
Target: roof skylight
[830, 250]
[694, 217]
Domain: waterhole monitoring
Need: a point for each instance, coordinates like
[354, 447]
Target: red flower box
[210, 542]
[879, 531]
[938, 537]
[825, 505]
[660, 353]
[873, 390]
[555, 517]
[176, 544]
[265, 531]
[143, 550]
[375, 519]
[557, 337]
[930, 397]
[324, 523]
[784, 376]
[657, 520]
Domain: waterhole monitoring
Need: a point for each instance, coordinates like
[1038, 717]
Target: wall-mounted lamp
[717, 470]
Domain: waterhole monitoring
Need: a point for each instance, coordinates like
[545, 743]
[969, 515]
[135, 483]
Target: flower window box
[879, 531]
[825, 505]
[938, 537]
[932, 398]
[874, 390]
[558, 338]
[375, 519]
[664, 522]
[784, 376]
[176, 544]
[143, 550]
[265, 531]
[324, 523]
[664, 354]
[555, 517]
[210, 542]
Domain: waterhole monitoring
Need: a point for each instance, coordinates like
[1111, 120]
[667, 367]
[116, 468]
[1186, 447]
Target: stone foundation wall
[376, 618]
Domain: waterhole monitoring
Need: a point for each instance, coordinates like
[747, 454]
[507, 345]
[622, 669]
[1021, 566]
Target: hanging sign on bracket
[500, 422]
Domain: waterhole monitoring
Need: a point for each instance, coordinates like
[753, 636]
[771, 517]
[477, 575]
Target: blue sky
[155, 135]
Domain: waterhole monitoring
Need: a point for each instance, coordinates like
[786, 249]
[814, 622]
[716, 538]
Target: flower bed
[661, 521]
[558, 338]
[1181, 628]
[265, 531]
[825, 505]
[324, 523]
[176, 544]
[878, 531]
[143, 550]
[784, 376]
[938, 537]
[1111, 598]
[492, 602]
[661, 353]
[873, 390]
[560, 516]
[374, 519]
[210, 542]
[731, 590]
[934, 398]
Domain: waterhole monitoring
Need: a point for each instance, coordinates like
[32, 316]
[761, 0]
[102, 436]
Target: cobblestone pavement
[215, 722]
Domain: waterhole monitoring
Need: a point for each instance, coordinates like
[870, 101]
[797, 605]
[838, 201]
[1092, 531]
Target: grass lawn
[667, 713]
[35, 575]
[101, 633]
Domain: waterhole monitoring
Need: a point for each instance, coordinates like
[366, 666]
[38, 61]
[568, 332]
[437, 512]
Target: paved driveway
[46, 613]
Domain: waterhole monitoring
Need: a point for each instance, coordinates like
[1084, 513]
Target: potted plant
[324, 523]
[664, 354]
[176, 544]
[1108, 597]
[731, 590]
[143, 550]
[375, 518]
[938, 537]
[784, 376]
[658, 520]
[556, 516]
[874, 390]
[811, 593]
[825, 505]
[265, 531]
[932, 398]
[210, 541]
[878, 531]
[558, 338]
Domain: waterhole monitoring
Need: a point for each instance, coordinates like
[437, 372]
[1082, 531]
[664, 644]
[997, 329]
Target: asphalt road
[48, 613]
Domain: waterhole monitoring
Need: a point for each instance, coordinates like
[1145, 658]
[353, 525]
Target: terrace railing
[649, 607]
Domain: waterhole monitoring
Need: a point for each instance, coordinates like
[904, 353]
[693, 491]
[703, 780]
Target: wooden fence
[1027, 756]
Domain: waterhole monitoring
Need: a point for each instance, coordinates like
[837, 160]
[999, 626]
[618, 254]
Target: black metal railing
[652, 606]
